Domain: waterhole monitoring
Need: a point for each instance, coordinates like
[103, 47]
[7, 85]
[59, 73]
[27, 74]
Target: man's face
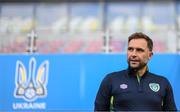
[138, 53]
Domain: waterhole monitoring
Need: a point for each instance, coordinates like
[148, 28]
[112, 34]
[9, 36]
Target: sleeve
[168, 101]
[102, 101]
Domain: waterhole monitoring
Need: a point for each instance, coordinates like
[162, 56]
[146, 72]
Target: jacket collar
[132, 72]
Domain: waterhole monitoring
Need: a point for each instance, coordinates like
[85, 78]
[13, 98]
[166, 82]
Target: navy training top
[123, 91]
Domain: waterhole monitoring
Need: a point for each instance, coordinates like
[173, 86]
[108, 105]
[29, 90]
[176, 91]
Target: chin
[134, 67]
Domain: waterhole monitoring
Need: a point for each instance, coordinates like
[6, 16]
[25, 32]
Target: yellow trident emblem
[32, 84]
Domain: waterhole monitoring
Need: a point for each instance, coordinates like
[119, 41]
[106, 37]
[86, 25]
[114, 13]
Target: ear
[150, 55]
[42, 73]
[21, 75]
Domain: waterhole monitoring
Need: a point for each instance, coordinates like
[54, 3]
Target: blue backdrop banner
[68, 82]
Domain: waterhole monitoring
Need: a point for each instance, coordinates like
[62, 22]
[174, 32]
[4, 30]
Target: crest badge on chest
[154, 87]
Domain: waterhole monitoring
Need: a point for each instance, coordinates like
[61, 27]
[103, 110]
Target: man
[135, 89]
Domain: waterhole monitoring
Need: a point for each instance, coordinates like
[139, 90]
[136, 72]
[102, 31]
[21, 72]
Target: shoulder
[159, 78]
[116, 75]
[113, 78]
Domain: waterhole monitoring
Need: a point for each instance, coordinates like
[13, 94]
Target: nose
[134, 53]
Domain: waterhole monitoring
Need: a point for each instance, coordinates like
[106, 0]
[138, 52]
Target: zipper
[139, 80]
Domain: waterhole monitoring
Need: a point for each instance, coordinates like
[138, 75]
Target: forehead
[138, 43]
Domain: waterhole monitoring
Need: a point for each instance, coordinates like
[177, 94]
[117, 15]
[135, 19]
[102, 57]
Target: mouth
[134, 60]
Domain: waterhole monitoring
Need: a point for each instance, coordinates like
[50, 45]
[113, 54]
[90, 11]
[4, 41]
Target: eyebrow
[138, 49]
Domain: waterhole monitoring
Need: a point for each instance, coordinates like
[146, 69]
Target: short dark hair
[140, 35]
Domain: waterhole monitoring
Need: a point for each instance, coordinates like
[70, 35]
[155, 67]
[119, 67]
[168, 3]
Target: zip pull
[138, 78]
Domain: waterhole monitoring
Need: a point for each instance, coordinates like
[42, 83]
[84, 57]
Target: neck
[142, 71]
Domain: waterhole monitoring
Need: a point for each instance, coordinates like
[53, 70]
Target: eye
[130, 49]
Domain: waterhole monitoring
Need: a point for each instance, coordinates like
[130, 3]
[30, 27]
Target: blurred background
[80, 34]
[100, 26]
